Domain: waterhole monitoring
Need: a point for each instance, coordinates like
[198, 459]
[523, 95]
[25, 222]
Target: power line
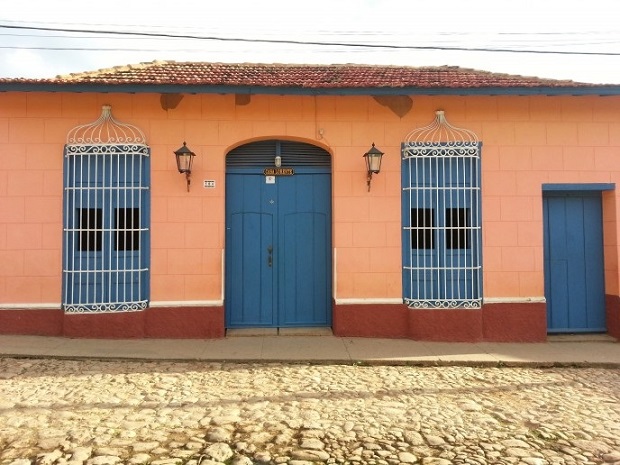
[92, 49]
[280, 41]
[459, 33]
[67, 36]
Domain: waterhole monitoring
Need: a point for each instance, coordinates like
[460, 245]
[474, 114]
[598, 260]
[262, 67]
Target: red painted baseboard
[161, 323]
[388, 321]
[176, 322]
[515, 322]
[509, 322]
[185, 322]
[498, 322]
[33, 322]
[612, 310]
[443, 325]
[122, 325]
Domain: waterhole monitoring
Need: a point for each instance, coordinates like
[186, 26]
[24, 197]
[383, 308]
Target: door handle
[270, 256]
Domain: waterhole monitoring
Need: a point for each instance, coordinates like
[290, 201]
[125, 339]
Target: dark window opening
[127, 226]
[90, 221]
[422, 232]
[458, 232]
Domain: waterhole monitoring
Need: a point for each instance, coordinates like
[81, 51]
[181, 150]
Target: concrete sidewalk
[559, 351]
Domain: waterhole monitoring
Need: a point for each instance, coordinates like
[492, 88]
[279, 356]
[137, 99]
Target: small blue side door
[573, 260]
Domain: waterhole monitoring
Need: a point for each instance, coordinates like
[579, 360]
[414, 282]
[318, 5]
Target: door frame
[577, 191]
[254, 168]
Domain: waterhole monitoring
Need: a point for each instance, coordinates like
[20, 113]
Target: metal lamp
[373, 162]
[185, 159]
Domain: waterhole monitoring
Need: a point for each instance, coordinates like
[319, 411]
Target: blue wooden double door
[573, 258]
[278, 236]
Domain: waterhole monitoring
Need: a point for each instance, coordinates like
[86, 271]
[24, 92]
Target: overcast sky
[424, 33]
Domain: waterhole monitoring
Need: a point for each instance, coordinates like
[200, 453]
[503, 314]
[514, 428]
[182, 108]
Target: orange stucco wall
[527, 141]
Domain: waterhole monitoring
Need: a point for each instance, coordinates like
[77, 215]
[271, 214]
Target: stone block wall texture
[527, 141]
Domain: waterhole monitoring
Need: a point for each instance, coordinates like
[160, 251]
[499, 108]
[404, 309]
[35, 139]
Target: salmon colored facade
[528, 141]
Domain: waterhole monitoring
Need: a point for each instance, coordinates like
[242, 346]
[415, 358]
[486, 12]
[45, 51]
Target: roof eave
[597, 90]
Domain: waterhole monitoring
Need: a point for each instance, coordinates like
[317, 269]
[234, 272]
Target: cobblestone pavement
[89, 412]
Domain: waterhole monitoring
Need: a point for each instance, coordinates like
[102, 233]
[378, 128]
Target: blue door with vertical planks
[278, 237]
[573, 259]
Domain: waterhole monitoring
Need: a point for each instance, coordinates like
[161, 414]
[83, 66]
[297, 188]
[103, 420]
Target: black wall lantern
[185, 158]
[373, 162]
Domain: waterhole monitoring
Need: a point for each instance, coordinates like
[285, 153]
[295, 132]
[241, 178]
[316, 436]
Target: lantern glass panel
[184, 162]
[374, 162]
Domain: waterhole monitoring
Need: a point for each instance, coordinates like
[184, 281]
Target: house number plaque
[278, 171]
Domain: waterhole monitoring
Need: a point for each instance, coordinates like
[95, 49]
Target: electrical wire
[276, 41]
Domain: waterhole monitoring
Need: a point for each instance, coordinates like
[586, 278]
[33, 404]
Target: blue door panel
[574, 271]
[249, 236]
[594, 270]
[558, 281]
[305, 249]
[305, 294]
[249, 269]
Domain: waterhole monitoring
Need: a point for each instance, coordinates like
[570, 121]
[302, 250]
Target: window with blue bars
[441, 225]
[106, 239]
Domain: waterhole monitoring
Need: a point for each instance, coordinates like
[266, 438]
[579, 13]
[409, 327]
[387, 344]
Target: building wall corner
[612, 309]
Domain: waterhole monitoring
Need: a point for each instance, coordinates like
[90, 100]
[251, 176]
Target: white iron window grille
[106, 234]
[441, 217]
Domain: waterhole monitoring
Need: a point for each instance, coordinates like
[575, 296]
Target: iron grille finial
[440, 131]
[106, 130]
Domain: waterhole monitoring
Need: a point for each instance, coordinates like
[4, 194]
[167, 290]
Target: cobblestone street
[201, 413]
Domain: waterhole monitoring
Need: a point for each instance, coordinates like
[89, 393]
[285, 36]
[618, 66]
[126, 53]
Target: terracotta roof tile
[343, 76]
